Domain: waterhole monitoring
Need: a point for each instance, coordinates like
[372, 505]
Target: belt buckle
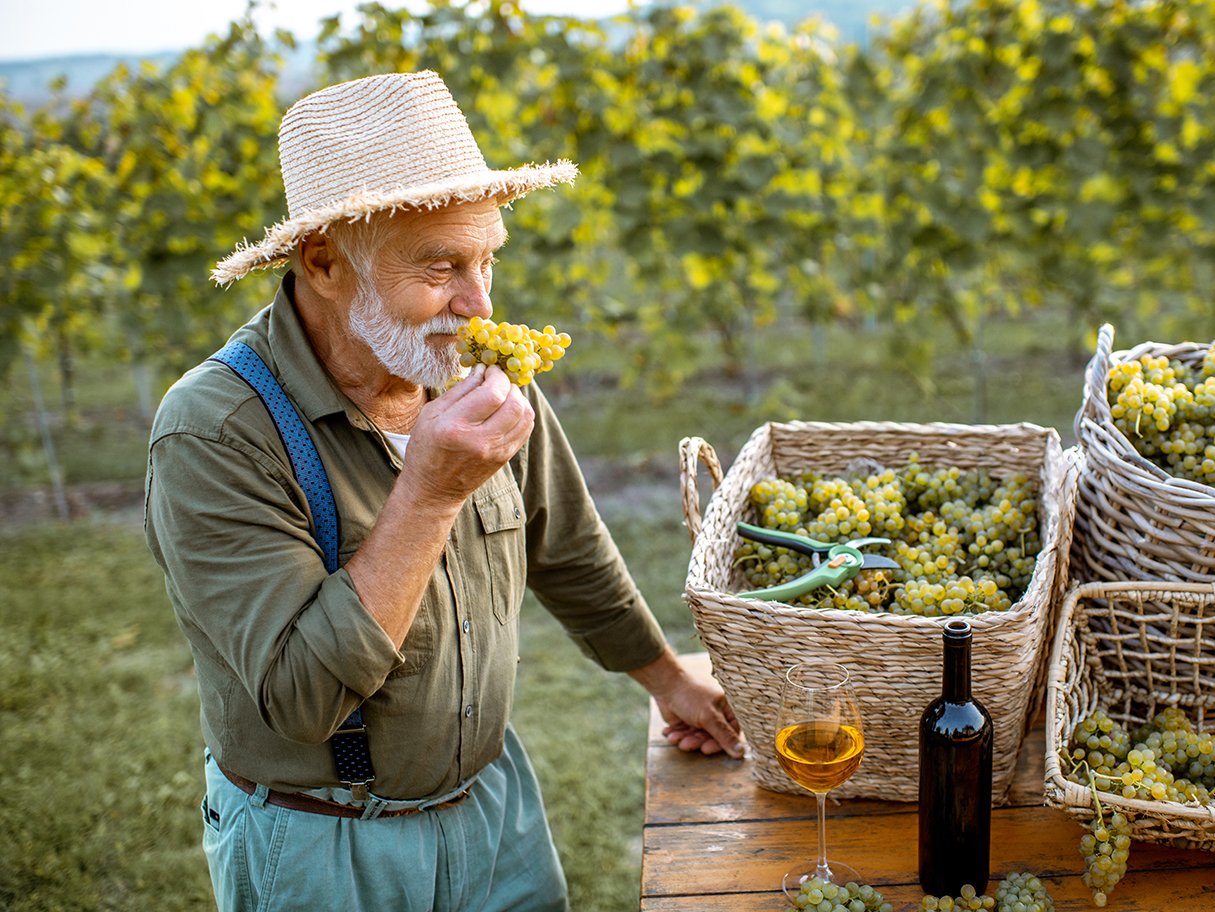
[360, 791]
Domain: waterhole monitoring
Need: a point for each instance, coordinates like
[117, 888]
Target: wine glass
[819, 743]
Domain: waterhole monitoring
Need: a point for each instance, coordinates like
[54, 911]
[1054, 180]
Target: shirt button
[516, 512]
[467, 712]
[467, 626]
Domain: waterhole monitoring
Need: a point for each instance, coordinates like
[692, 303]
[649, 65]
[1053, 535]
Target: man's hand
[459, 441]
[463, 437]
[696, 711]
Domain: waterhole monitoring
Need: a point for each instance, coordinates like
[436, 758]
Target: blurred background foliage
[969, 161]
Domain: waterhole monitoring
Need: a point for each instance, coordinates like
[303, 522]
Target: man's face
[432, 273]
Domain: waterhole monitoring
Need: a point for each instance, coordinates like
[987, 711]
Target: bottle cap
[956, 630]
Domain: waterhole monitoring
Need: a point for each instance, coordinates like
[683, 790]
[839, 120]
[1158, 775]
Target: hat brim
[281, 239]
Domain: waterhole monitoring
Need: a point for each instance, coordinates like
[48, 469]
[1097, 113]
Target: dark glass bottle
[955, 778]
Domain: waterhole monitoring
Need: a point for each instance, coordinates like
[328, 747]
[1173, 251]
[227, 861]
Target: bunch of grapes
[965, 541]
[1020, 891]
[1166, 759]
[820, 896]
[520, 351]
[1167, 410]
[1106, 846]
[968, 899]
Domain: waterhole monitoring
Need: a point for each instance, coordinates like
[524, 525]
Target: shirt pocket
[500, 511]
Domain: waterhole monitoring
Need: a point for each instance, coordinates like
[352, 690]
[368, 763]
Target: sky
[44, 28]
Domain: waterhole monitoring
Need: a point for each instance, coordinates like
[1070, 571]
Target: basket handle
[691, 450]
[1095, 379]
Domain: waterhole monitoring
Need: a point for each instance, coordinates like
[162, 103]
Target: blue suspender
[349, 742]
[305, 460]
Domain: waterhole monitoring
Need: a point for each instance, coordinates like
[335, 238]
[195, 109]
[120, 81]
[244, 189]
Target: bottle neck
[955, 682]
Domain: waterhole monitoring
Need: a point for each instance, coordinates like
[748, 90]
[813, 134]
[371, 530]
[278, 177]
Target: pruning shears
[833, 563]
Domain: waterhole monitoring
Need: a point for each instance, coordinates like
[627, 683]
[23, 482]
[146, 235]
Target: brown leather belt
[297, 801]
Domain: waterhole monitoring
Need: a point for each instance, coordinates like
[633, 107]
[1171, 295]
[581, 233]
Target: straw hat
[375, 144]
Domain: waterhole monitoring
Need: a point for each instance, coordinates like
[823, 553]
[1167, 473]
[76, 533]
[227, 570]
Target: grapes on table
[817, 895]
[966, 541]
[521, 352]
[1165, 759]
[1166, 409]
[1020, 891]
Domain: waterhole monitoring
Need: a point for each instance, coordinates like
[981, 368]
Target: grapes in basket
[964, 540]
[1167, 759]
[1166, 409]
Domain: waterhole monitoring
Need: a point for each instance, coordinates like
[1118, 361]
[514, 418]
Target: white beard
[402, 347]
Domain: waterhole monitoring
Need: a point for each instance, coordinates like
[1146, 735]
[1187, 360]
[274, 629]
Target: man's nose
[473, 299]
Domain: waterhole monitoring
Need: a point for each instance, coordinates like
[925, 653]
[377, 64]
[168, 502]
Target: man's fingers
[725, 734]
[467, 385]
[717, 735]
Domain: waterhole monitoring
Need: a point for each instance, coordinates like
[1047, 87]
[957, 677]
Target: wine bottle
[955, 778]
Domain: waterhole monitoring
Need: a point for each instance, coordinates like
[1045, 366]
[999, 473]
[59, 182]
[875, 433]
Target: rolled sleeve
[346, 639]
[624, 640]
[250, 586]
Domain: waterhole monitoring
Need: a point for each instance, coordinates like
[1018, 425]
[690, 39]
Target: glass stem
[822, 870]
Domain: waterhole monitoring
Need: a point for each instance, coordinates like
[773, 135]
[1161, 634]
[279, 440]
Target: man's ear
[323, 268]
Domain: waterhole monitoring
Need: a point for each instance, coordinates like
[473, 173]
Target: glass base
[837, 873]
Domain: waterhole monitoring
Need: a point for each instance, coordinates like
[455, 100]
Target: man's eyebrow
[446, 252]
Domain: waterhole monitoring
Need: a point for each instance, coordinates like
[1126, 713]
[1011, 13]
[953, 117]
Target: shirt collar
[307, 382]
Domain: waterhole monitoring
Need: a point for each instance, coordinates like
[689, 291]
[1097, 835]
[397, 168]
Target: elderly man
[346, 550]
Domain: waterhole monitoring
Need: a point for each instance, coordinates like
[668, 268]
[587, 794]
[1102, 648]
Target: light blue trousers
[493, 851]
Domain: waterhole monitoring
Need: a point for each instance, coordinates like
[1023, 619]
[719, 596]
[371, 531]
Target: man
[447, 506]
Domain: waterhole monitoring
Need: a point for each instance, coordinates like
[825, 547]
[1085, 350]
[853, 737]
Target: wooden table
[714, 841]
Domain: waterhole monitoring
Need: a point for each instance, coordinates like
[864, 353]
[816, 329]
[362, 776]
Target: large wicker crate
[1135, 521]
[1132, 648]
[895, 660]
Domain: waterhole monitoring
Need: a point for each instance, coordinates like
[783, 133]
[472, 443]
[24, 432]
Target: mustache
[443, 325]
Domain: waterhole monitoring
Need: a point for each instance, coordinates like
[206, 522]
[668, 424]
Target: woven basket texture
[895, 660]
[1132, 648]
[1135, 521]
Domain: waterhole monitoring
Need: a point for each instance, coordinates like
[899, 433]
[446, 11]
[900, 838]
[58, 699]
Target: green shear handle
[834, 563]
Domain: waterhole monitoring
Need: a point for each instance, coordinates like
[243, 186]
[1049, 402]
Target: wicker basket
[895, 659]
[1133, 648]
[1135, 521]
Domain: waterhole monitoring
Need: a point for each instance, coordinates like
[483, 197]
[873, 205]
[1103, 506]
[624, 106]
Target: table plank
[683, 787]
[751, 856]
[714, 840]
[1191, 890]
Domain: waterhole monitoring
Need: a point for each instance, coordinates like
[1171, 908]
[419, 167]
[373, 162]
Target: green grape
[521, 352]
[1105, 862]
[965, 540]
[821, 896]
[1167, 411]
[968, 900]
[1021, 891]
[1152, 764]
[1018, 892]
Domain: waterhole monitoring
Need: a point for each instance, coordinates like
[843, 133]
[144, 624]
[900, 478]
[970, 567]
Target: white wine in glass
[819, 742]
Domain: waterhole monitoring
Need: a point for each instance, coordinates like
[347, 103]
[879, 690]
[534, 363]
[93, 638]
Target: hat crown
[373, 135]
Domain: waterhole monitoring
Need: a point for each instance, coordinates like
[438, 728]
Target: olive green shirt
[284, 650]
